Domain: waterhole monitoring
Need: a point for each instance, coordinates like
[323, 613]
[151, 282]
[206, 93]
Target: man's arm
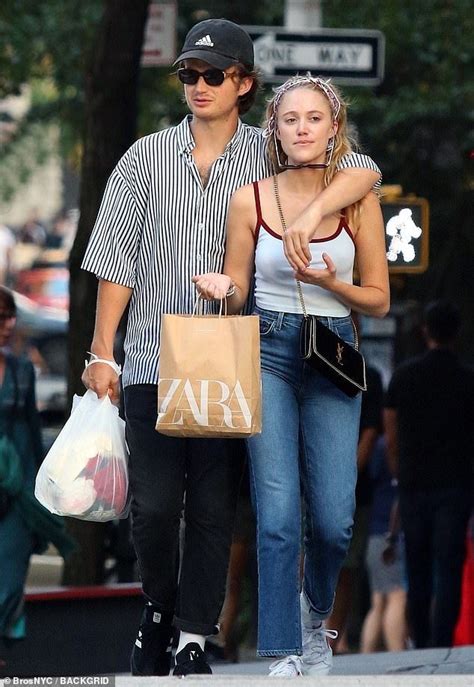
[112, 299]
[365, 447]
[347, 187]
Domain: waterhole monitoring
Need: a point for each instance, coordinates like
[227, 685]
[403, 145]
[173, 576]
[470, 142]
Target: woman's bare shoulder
[370, 202]
[248, 192]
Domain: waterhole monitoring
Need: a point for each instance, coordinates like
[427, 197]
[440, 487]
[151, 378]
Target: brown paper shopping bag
[209, 381]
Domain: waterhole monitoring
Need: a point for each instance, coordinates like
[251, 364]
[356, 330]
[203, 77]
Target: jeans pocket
[346, 332]
[266, 326]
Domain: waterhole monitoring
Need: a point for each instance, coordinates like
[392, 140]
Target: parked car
[41, 333]
[46, 282]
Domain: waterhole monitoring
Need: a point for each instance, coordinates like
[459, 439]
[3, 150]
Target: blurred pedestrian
[162, 221]
[33, 230]
[7, 244]
[304, 413]
[385, 623]
[429, 421]
[348, 591]
[464, 632]
[25, 526]
[55, 237]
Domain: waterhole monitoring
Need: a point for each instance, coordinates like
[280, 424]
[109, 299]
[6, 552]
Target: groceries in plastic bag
[85, 474]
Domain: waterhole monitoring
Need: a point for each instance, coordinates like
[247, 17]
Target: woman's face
[305, 125]
[7, 323]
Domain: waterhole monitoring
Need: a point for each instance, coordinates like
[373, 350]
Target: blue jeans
[309, 439]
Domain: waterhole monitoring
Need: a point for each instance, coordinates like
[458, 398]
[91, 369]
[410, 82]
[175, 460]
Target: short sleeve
[352, 160]
[113, 246]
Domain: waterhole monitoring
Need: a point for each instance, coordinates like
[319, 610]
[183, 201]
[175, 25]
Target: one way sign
[349, 56]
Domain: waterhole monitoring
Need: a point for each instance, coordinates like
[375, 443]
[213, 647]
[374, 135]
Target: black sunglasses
[190, 77]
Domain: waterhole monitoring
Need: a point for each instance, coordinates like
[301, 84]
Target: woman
[310, 427]
[25, 526]
[384, 624]
[19, 423]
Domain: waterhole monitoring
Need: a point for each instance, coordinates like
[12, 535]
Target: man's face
[210, 102]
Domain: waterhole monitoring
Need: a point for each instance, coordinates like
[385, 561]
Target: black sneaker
[191, 660]
[151, 653]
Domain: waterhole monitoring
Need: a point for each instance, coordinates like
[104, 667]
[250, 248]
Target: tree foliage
[45, 47]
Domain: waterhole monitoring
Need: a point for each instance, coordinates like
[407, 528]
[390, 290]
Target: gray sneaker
[288, 666]
[317, 654]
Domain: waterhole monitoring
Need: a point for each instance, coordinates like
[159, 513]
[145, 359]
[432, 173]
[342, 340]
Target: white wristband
[111, 363]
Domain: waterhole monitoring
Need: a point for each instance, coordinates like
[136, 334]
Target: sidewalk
[418, 668]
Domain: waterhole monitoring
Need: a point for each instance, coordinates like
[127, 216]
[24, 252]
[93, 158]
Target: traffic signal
[406, 221]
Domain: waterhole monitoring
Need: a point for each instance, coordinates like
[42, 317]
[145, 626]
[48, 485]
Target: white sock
[307, 614]
[187, 638]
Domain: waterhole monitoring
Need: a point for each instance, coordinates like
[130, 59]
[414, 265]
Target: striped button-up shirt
[158, 226]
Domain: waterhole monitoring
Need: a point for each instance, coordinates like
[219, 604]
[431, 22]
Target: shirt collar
[185, 138]
[236, 140]
[186, 141]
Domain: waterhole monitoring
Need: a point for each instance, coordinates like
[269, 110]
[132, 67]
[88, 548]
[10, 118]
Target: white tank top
[275, 285]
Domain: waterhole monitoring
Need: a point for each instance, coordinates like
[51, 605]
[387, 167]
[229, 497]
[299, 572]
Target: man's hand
[212, 286]
[297, 236]
[102, 379]
[324, 278]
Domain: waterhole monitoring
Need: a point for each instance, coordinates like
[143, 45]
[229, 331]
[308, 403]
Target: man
[429, 422]
[162, 221]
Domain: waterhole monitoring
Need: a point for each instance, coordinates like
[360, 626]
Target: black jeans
[167, 475]
[435, 524]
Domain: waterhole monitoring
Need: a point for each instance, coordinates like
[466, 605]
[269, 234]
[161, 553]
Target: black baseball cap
[219, 42]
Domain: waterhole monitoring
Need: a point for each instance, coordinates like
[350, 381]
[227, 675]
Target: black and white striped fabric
[158, 226]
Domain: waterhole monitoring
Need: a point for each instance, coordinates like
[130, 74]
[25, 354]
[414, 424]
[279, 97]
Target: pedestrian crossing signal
[406, 223]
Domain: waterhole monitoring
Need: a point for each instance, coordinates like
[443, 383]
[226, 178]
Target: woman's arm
[372, 296]
[239, 255]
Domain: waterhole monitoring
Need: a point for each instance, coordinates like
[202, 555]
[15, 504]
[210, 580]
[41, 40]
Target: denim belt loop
[279, 321]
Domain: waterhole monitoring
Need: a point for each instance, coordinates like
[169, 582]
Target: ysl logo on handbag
[339, 350]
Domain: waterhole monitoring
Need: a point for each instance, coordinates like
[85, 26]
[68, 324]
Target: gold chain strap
[298, 283]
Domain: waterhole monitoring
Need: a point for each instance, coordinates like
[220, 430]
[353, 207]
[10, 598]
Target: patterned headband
[295, 82]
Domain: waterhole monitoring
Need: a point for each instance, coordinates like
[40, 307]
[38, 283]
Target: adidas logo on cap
[205, 40]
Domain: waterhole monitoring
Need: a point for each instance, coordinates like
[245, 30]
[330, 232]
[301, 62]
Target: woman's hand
[325, 278]
[212, 286]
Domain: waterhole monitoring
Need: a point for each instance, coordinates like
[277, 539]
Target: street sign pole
[300, 14]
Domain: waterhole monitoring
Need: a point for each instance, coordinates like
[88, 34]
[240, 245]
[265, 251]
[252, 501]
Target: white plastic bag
[85, 473]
